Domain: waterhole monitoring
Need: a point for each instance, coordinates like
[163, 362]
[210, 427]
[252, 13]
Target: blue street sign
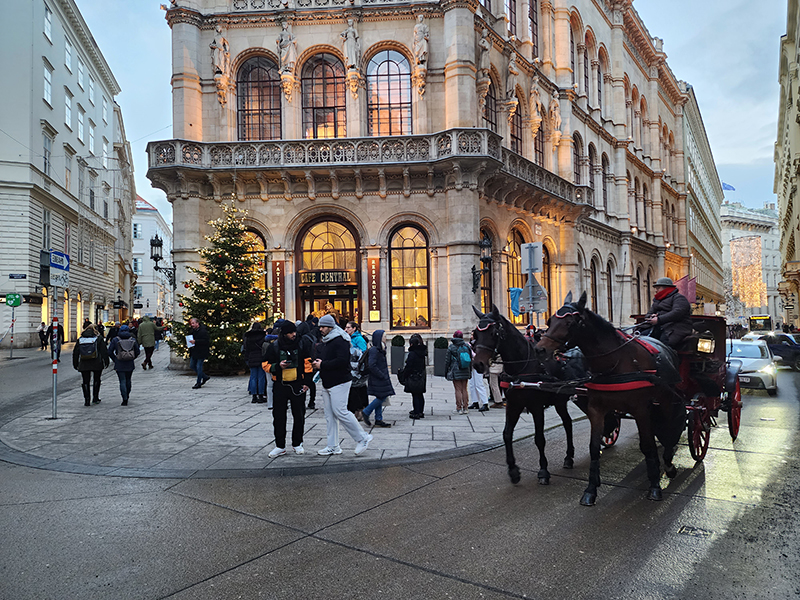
[59, 260]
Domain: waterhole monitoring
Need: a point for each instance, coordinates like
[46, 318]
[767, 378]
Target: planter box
[439, 357]
[398, 358]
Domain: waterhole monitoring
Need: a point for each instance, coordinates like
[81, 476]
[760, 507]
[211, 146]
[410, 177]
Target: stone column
[569, 274]
[620, 206]
[640, 211]
[562, 50]
[460, 104]
[597, 177]
[187, 94]
[546, 37]
[461, 253]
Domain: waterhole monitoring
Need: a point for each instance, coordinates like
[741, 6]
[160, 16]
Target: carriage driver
[670, 314]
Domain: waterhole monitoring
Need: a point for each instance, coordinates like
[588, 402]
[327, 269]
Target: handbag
[401, 376]
[415, 383]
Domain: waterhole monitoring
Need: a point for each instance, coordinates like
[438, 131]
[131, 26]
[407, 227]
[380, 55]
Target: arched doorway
[328, 274]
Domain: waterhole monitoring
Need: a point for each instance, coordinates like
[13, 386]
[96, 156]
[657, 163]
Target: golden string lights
[746, 271]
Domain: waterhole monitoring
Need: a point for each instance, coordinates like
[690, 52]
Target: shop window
[409, 286]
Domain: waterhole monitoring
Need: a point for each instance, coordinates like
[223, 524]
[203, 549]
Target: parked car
[758, 365]
[784, 348]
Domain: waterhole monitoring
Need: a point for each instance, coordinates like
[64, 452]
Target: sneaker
[327, 451]
[299, 449]
[197, 386]
[474, 405]
[205, 379]
[483, 408]
[382, 424]
[464, 411]
[363, 444]
[276, 452]
[367, 422]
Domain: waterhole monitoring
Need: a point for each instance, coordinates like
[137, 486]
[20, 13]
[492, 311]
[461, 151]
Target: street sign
[17, 276]
[59, 269]
[13, 300]
[531, 257]
[59, 278]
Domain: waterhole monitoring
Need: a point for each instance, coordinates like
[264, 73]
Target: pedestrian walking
[333, 365]
[379, 384]
[252, 350]
[495, 370]
[290, 366]
[113, 332]
[313, 333]
[59, 340]
[123, 351]
[308, 341]
[458, 369]
[477, 387]
[89, 358]
[199, 344]
[42, 331]
[358, 399]
[415, 376]
[159, 332]
[147, 338]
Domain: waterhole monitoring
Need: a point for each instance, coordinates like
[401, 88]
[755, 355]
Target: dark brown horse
[496, 334]
[619, 363]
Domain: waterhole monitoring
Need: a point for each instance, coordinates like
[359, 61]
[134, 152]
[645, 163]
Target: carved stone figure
[511, 79]
[352, 46]
[220, 53]
[555, 113]
[422, 34]
[485, 45]
[536, 102]
[287, 48]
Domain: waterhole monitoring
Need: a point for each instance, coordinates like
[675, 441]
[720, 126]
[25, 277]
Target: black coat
[299, 355]
[202, 343]
[414, 370]
[253, 341]
[335, 367]
[379, 383]
[98, 363]
[674, 317]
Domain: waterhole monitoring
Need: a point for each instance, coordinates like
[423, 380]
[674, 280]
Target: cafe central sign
[328, 277]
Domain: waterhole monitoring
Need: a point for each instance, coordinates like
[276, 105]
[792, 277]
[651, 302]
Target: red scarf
[665, 292]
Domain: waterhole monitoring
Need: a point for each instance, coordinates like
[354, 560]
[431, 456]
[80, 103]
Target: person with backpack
[123, 351]
[379, 384]
[458, 369]
[415, 376]
[89, 358]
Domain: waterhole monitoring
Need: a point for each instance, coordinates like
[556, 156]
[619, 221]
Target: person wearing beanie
[122, 348]
[333, 364]
[90, 355]
[670, 314]
[458, 369]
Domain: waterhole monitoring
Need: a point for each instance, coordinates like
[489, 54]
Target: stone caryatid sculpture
[422, 34]
[555, 119]
[482, 81]
[351, 45]
[511, 78]
[536, 106]
[221, 63]
[287, 51]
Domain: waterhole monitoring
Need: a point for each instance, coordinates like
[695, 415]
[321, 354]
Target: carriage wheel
[611, 439]
[735, 411]
[699, 432]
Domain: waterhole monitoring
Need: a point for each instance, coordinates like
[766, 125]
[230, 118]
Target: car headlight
[770, 369]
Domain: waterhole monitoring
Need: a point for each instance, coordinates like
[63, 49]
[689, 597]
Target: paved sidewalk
[171, 430]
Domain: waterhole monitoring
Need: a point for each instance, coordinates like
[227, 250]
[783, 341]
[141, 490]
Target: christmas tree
[225, 296]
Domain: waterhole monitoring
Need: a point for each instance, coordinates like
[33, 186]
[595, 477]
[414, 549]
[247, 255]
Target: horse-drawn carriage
[628, 376]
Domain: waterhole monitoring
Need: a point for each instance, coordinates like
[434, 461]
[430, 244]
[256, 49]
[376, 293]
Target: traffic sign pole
[54, 351]
[11, 355]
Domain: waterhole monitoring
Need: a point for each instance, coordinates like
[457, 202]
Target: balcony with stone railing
[239, 6]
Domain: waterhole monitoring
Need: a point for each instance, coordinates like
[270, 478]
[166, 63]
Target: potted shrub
[440, 345]
[398, 353]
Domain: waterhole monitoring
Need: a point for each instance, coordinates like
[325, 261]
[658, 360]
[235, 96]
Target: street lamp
[157, 255]
[485, 246]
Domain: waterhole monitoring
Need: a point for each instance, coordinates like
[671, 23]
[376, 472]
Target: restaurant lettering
[278, 284]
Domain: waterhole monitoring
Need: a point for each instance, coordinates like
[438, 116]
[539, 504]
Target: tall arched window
[649, 289]
[638, 291]
[516, 131]
[586, 69]
[409, 298]
[328, 246]
[600, 87]
[258, 100]
[324, 114]
[572, 54]
[593, 285]
[610, 291]
[592, 160]
[533, 21]
[490, 108]
[514, 269]
[547, 278]
[258, 248]
[577, 150]
[511, 14]
[389, 94]
[605, 181]
[538, 146]
[646, 202]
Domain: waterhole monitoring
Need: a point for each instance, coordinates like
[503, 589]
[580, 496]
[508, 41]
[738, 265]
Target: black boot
[86, 396]
[255, 399]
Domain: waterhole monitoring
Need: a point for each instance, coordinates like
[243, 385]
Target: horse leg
[566, 420]
[670, 435]
[538, 427]
[514, 406]
[647, 444]
[596, 416]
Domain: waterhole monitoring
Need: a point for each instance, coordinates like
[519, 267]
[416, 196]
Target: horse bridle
[500, 337]
[567, 344]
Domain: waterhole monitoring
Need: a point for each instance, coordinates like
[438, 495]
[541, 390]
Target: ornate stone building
[787, 164]
[66, 176]
[385, 150]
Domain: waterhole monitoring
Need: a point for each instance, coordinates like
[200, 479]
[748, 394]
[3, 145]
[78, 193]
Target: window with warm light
[389, 94]
[257, 249]
[258, 97]
[329, 246]
[610, 291]
[516, 131]
[514, 270]
[408, 255]
[538, 146]
[324, 113]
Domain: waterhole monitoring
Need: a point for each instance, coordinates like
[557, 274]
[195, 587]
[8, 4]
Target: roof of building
[142, 204]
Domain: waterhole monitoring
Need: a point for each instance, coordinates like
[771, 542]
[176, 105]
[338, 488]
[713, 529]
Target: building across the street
[152, 294]
[394, 157]
[66, 172]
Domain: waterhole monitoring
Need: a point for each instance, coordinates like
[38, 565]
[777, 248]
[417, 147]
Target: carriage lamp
[706, 345]
[157, 255]
[485, 246]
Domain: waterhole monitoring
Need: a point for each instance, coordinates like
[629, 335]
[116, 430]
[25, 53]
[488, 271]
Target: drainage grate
[695, 532]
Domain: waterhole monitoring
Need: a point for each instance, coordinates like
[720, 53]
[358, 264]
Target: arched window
[649, 291]
[593, 285]
[538, 146]
[547, 278]
[490, 108]
[577, 150]
[592, 160]
[533, 20]
[605, 181]
[586, 69]
[324, 114]
[646, 202]
[600, 86]
[638, 291]
[572, 54]
[258, 100]
[636, 192]
[514, 269]
[511, 14]
[409, 305]
[516, 131]
[258, 248]
[610, 291]
[389, 94]
[328, 246]
[486, 277]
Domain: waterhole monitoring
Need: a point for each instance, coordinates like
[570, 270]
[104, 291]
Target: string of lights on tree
[746, 271]
[225, 295]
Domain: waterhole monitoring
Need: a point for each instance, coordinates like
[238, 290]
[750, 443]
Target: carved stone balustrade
[265, 5]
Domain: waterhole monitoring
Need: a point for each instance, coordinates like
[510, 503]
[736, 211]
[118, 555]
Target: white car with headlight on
[758, 365]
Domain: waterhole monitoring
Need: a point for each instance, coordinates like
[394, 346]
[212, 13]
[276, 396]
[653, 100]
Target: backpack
[363, 365]
[126, 349]
[87, 348]
[464, 359]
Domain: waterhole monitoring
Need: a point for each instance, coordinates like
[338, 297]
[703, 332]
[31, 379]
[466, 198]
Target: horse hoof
[544, 481]
[514, 475]
[655, 495]
[544, 477]
[588, 499]
[671, 471]
[568, 463]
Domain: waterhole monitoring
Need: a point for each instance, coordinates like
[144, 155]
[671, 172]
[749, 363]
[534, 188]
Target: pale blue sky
[727, 49]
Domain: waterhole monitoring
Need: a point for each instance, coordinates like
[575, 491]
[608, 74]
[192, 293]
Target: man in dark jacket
[113, 332]
[416, 376]
[120, 350]
[308, 340]
[90, 356]
[379, 383]
[290, 367]
[333, 364]
[670, 314]
[59, 340]
[199, 350]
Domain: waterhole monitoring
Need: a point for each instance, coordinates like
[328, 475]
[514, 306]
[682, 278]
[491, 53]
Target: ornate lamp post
[157, 255]
[485, 246]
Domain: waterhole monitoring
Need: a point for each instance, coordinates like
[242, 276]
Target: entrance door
[341, 302]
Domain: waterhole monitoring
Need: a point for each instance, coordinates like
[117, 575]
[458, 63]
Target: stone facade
[512, 122]
[66, 177]
[152, 290]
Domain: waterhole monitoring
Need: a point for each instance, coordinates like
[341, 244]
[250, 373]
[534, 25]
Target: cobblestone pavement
[171, 430]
